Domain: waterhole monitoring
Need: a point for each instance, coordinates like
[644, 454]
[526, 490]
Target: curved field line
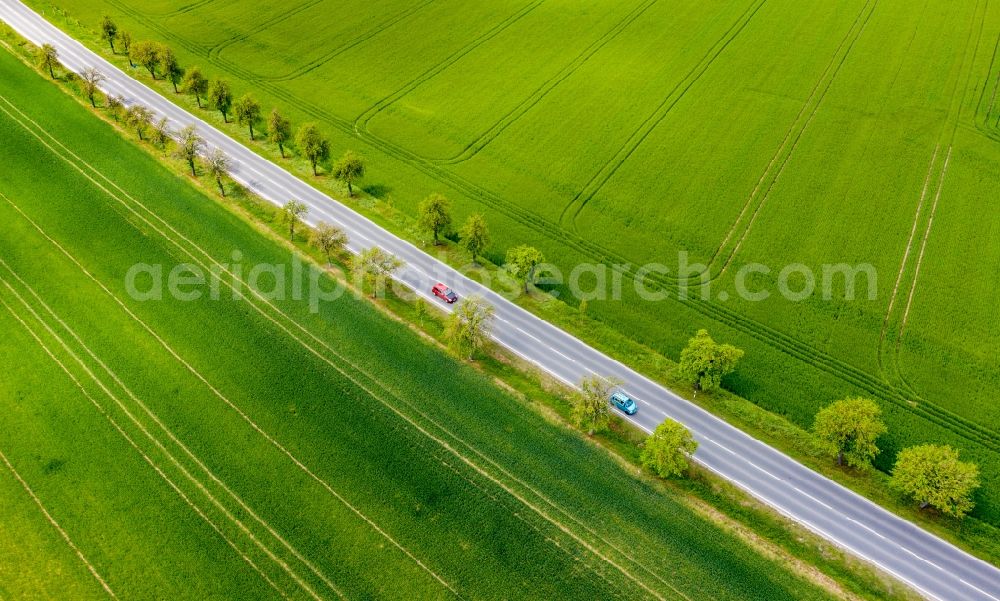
[213, 51]
[361, 123]
[135, 446]
[485, 138]
[52, 522]
[639, 135]
[307, 346]
[360, 39]
[958, 108]
[172, 459]
[850, 39]
[170, 434]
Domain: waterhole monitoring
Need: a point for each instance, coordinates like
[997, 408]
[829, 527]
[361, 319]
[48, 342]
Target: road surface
[930, 565]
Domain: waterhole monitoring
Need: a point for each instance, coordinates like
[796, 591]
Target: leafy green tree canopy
[349, 169]
[147, 54]
[591, 409]
[291, 213]
[247, 112]
[475, 235]
[933, 476]
[221, 97]
[218, 167]
[109, 32]
[189, 145]
[435, 215]
[522, 263]
[195, 84]
[330, 239]
[375, 266]
[668, 449]
[279, 130]
[469, 326]
[851, 427]
[704, 362]
[171, 68]
[312, 144]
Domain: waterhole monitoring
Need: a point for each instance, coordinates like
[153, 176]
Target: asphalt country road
[935, 568]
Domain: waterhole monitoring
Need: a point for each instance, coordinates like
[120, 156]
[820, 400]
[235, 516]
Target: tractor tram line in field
[121, 386]
[214, 52]
[897, 315]
[795, 133]
[572, 210]
[361, 122]
[227, 515]
[785, 343]
[253, 300]
[153, 464]
[767, 335]
[55, 524]
[483, 139]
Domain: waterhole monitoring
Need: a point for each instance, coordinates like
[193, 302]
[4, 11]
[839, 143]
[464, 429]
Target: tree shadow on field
[379, 191]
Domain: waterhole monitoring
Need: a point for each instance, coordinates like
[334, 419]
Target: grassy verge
[704, 494]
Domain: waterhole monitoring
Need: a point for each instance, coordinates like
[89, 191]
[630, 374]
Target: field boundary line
[308, 347]
[187, 474]
[186, 450]
[52, 521]
[142, 453]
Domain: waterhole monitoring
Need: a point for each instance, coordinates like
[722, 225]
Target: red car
[444, 293]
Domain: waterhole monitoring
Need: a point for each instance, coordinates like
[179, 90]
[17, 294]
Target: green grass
[490, 497]
[624, 132]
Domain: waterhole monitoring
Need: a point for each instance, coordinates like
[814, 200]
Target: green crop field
[771, 131]
[249, 448]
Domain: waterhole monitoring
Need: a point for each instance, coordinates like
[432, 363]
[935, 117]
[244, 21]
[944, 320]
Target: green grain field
[245, 448]
[771, 131]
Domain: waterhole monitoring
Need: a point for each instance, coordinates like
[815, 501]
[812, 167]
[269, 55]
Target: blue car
[624, 402]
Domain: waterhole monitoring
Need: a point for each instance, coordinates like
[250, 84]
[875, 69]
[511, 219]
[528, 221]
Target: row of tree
[932, 475]
[434, 212]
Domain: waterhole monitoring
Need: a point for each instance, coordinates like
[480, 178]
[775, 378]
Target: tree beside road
[933, 476]
[851, 427]
[668, 449]
[705, 362]
[469, 326]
